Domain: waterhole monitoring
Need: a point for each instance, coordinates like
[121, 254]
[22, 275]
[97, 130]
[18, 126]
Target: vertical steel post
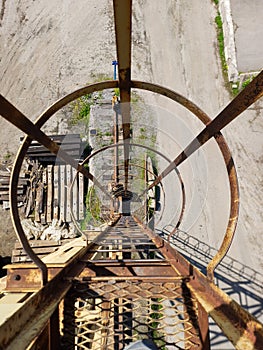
[53, 331]
[122, 17]
[204, 327]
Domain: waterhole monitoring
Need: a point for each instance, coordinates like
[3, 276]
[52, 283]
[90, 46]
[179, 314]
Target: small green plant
[100, 77]
[81, 106]
[81, 109]
[117, 92]
[100, 93]
[93, 205]
[99, 133]
[216, 2]
[135, 97]
[235, 88]
[7, 156]
[220, 38]
[155, 315]
[247, 81]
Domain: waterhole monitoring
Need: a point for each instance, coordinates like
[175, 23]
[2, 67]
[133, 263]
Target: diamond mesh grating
[111, 315]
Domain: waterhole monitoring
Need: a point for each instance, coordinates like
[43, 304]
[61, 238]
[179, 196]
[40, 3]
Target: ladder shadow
[240, 282]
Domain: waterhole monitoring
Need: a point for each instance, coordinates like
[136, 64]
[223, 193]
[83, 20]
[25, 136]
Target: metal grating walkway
[128, 292]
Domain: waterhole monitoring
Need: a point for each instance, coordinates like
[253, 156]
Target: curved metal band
[71, 211]
[14, 211]
[19, 160]
[234, 205]
[114, 145]
[231, 170]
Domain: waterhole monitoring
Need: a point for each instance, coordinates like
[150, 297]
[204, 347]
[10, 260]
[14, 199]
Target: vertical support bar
[68, 187]
[116, 140]
[68, 339]
[204, 327]
[192, 333]
[122, 15]
[62, 196]
[49, 192]
[81, 196]
[54, 333]
[105, 320]
[56, 193]
[75, 194]
[43, 216]
[145, 187]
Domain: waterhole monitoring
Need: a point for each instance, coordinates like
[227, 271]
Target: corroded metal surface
[248, 96]
[30, 319]
[230, 166]
[245, 98]
[234, 198]
[119, 298]
[123, 280]
[242, 329]
[123, 23]
[116, 298]
[111, 315]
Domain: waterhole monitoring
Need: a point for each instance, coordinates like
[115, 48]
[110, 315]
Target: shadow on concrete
[240, 282]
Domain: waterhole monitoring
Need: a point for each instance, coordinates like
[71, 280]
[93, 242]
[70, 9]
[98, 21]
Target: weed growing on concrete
[239, 86]
[117, 92]
[235, 88]
[220, 38]
[81, 109]
[247, 81]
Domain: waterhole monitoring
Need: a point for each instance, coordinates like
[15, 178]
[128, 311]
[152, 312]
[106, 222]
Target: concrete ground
[248, 31]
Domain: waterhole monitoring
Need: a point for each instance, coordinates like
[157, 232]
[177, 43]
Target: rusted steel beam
[53, 330]
[17, 118]
[122, 18]
[204, 327]
[126, 262]
[146, 278]
[239, 104]
[116, 141]
[241, 328]
[122, 269]
[28, 321]
[123, 22]
[192, 330]
[234, 208]
[28, 279]
[175, 97]
[86, 160]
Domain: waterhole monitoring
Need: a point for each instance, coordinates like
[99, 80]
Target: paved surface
[247, 19]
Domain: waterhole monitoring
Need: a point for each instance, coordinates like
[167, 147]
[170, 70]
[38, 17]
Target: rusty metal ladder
[129, 292]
